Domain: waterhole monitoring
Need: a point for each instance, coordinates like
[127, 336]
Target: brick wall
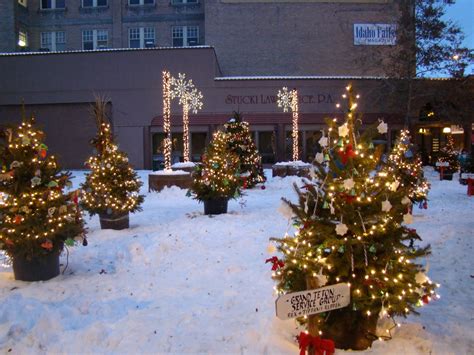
[7, 26]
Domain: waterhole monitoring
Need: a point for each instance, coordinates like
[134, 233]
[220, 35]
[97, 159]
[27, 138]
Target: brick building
[251, 37]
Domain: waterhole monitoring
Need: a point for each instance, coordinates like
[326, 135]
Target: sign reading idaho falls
[304, 303]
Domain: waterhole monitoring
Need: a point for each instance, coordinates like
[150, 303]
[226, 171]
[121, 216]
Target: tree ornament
[15, 164]
[382, 128]
[405, 200]
[407, 218]
[323, 141]
[25, 140]
[35, 181]
[319, 158]
[386, 206]
[348, 184]
[51, 211]
[343, 130]
[341, 229]
[394, 185]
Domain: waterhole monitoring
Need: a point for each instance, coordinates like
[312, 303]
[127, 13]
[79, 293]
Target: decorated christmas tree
[405, 164]
[449, 155]
[112, 187]
[37, 216]
[351, 229]
[241, 143]
[217, 178]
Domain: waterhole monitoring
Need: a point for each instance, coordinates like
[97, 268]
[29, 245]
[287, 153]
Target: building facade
[59, 88]
[251, 37]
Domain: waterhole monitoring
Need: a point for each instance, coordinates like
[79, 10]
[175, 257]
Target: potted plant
[37, 217]
[448, 160]
[112, 188]
[216, 180]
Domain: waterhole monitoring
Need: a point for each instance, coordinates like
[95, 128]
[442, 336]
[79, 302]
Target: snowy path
[180, 282]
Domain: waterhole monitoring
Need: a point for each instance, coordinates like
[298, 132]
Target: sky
[462, 12]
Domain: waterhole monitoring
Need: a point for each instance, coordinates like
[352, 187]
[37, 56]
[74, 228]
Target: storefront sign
[375, 34]
[324, 299]
[263, 99]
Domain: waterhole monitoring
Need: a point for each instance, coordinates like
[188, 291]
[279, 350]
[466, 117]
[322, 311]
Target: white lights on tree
[191, 100]
[289, 100]
[167, 142]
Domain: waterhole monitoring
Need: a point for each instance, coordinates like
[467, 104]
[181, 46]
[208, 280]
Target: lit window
[95, 39]
[22, 39]
[141, 2]
[53, 41]
[185, 36]
[94, 3]
[53, 4]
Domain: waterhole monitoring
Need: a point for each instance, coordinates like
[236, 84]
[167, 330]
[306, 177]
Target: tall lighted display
[167, 119]
[191, 100]
[289, 100]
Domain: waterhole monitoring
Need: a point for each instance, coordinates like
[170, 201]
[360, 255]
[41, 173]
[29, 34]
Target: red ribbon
[346, 154]
[320, 346]
[277, 263]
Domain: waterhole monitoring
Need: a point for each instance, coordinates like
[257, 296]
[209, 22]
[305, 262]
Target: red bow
[346, 154]
[277, 263]
[320, 346]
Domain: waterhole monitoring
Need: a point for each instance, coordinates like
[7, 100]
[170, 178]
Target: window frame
[93, 36]
[140, 32]
[94, 4]
[54, 37]
[184, 2]
[141, 3]
[22, 35]
[53, 6]
[185, 35]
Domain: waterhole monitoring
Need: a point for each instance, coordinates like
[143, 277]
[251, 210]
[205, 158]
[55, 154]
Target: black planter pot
[114, 221]
[447, 176]
[36, 269]
[215, 206]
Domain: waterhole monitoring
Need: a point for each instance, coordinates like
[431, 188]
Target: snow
[293, 163]
[181, 282]
[168, 172]
[189, 164]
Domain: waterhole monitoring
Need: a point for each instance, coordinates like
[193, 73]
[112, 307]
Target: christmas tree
[37, 217]
[241, 143]
[449, 155]
[405, 164]
[218, 175]
[112, 187]
[349, 229]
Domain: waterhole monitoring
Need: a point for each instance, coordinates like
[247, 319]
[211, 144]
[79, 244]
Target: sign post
[304, 303]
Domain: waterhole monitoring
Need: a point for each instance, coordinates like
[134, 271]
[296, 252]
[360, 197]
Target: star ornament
[341, 229]
[382, 128]
[343, 130]
[386, 206]
[348, 184]
[394, 185]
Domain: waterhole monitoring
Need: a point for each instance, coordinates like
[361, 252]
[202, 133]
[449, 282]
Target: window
[143, 37]
[23, 3]
[22, 39]
[53, 41]
[179, 2]
[53, 4]
[95, 39]
[141, 2]
[185, 36]
[94, 3]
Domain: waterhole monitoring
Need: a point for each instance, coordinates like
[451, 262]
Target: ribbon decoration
[320, 346]
[277, 263]
[346, 154]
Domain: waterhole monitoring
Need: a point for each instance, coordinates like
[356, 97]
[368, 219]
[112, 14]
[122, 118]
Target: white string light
[167, 142]
[289, 100]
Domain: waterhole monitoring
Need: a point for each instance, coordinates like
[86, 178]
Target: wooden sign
[442, 163]
[304, 303]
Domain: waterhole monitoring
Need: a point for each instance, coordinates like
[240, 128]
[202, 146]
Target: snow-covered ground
[181, 282]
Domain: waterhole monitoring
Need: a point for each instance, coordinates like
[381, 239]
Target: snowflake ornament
[348, 184]
[195, 100]
[405, 200]
[394, 185]
[341, 229]
[285, 98]
[407, 218]
[323, 141]
[180, 88]
[382, 127]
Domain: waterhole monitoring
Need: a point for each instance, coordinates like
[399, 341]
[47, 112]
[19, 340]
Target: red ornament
[47, 245]
[320, 346]
[42, 153]
[9, 242]
[17, 219]
[346, 154]
[425, 299]
[277, 263]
